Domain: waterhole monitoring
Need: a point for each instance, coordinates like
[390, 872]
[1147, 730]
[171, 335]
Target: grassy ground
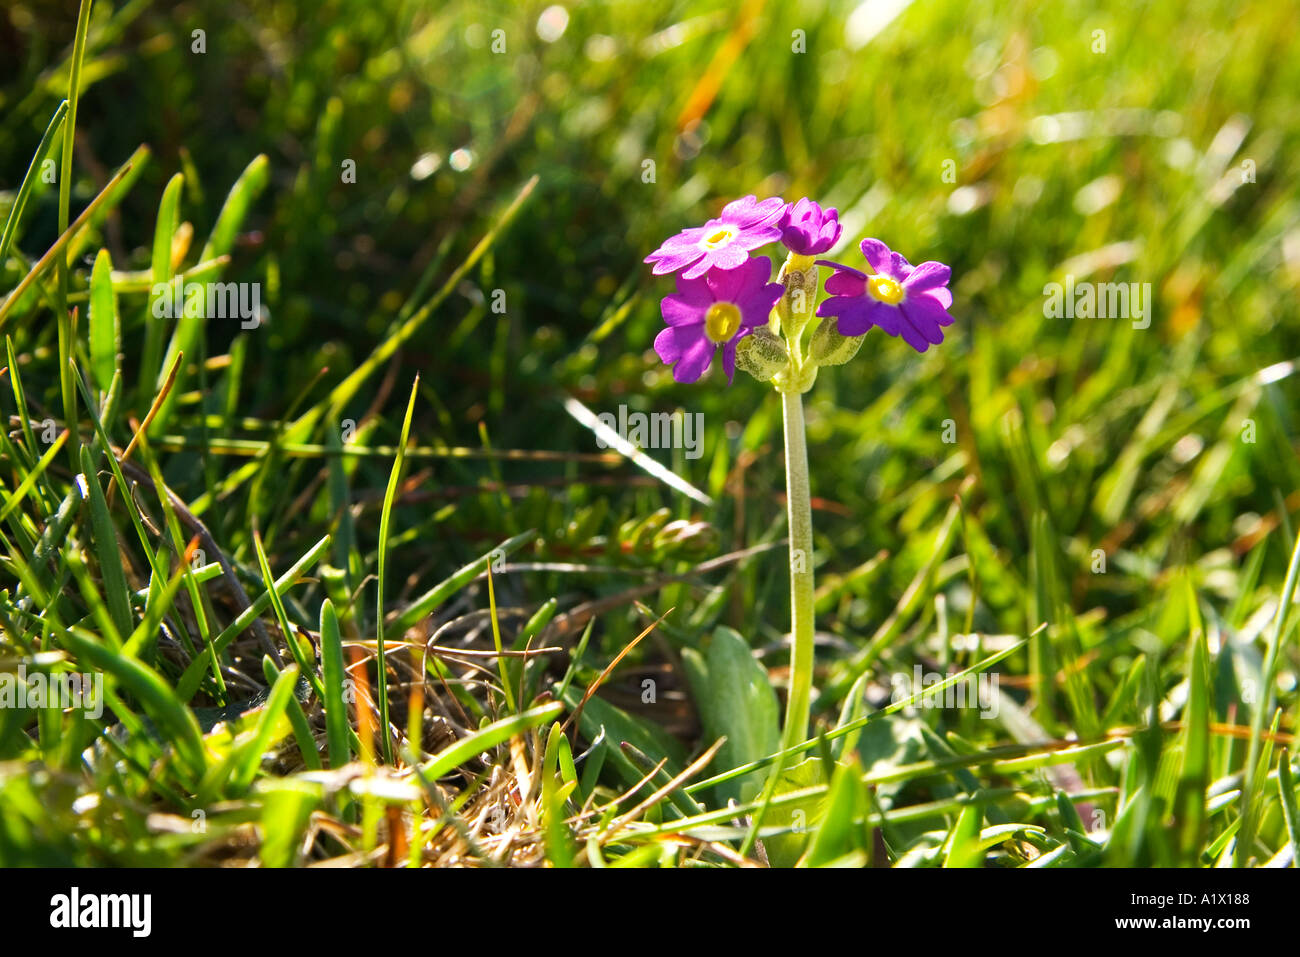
[446, 223]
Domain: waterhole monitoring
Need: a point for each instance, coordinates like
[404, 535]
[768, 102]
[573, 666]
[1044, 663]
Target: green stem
[799, 275]
[799, 509]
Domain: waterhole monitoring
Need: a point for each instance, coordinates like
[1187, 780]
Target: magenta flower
[807, 229]
[902, 299]
[722, 243]
[718, 310]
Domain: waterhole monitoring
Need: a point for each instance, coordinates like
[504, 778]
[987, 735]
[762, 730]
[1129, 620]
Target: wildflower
[736, 307]
[722, 243]
[807, 229]
[902, 299]
[718, 310]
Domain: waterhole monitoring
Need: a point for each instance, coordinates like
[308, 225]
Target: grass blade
[105, 326]
[336, 710]
[486, 738]
[385, 519]
[151, 368]
[106, 549]
[29, 181]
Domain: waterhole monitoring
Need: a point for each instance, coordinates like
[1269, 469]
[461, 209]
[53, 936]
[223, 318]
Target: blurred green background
[1140, 142]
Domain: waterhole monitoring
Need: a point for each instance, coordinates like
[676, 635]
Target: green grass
[1102, 516]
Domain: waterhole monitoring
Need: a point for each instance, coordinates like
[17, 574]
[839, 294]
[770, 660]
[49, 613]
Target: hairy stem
[799, 275]
[799, 509]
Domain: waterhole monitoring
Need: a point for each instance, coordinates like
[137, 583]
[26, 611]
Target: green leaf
[29, 181]
[841, 831]
[155, 694]
[852, 710]
[735, 701]
[1290, 808]
[287, 804]
[444, 590]
[297, 718]
[189, 326]
[116, 593]
[557, 837]
[486, 738]
[802, 816]
[234, 210]
[112, 194]
[193, 676]
[336, 709]
[152, 371]
[385, 519]
[1268, 678]
[105, 326]
[273, 724]
[1189, 800]
[962, 848]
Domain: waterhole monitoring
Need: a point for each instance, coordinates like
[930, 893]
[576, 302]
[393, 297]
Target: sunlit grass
[285, 581]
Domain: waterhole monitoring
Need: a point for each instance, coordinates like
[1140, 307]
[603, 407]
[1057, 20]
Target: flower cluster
[725, 296]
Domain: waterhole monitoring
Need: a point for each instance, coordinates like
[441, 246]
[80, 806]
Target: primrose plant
[725, 298]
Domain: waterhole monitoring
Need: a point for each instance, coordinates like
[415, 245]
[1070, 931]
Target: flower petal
[695, 361]
[856, 316]
[672, 343]
[867, 314]
[678, 310]
[738, 210]
[673, 261]
[729, 359]
[927, 276]
[888, 318]
[926, 317]
[687, 237]
[899, 267]
[830, 232]
[847, 283]
[694, 291]
[728, 257]
[756, 304]
[877, 254]
[840, 267]
[750, 211]
[732, 284]
[913, 337]
[799, 210]
[755, 236]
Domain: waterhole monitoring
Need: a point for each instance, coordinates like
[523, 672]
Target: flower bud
[829, 347]
[797, 302]
[762, 355]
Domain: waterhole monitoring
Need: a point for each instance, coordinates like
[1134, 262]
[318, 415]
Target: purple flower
[718, 310]
[902, 299]
[807, 229]
[722, 243]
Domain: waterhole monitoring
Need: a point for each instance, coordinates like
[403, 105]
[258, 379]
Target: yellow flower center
[885, 290]
[721, 321]
[719, 237]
